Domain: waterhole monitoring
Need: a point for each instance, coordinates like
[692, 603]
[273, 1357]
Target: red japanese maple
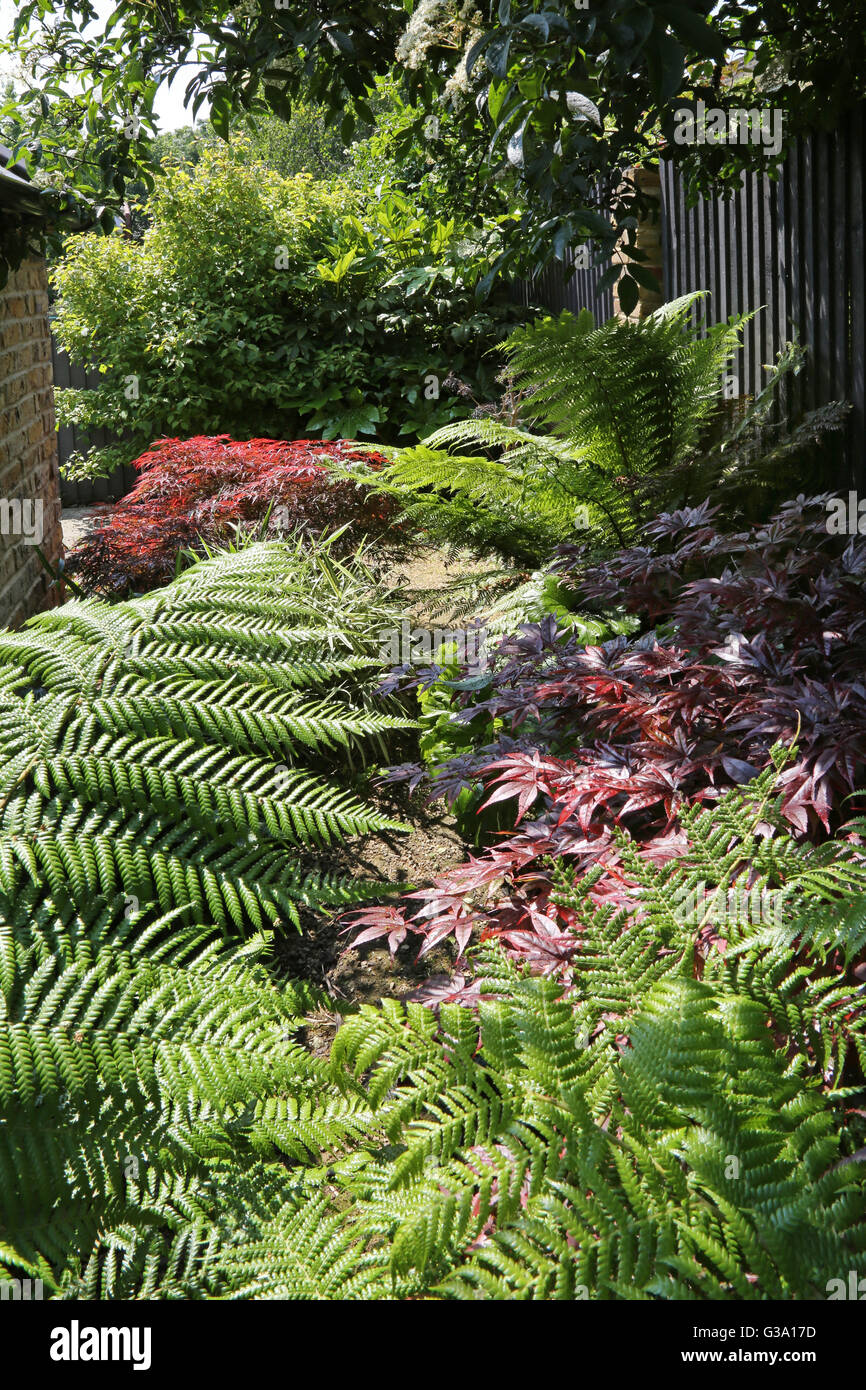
[191, 491]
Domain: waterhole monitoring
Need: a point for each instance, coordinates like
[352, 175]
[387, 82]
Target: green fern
[150, 1082]
[167, 764]
[677, 1126]
[605, 411]
[180, 748]
[672, 1129]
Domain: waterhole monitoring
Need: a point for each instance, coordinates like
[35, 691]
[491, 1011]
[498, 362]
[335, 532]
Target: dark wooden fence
[71, 440]
[796, 246]
[556, 290]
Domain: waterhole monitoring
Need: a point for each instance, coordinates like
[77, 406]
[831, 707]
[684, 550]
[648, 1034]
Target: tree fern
[180, 748]
[605, 410]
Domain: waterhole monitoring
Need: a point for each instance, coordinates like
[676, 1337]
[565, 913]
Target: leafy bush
[428, 157]
[258, 305]
[759, 639]
[193, 493]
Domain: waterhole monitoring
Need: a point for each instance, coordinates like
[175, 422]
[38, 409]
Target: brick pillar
[28, 447]
[648, 240]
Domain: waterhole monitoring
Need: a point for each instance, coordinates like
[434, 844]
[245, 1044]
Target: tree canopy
[554, 98]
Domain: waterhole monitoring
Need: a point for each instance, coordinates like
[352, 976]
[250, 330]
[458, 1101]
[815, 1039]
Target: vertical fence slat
[810, 287]
[840, 244]
[823, 259]
[744, 241]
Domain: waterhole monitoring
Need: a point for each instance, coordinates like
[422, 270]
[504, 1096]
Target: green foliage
[543, 1159]
[750, 460]
[263, 305]
[556, 102]
[483, 503]
[430, 157]
[135, 1056]
[180, 748]
[673, 1128]
[628, 399]
[162, 778]
[307, 143]
[597, 414]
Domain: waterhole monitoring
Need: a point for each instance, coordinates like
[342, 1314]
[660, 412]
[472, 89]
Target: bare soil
[368, 973]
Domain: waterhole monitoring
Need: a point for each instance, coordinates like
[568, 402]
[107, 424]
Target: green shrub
[261, 305]
[428, 157]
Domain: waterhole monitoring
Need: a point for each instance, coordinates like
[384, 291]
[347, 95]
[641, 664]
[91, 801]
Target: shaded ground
[368, 974]
[76, 522]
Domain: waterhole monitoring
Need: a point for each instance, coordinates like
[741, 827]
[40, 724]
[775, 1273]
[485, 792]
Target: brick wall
[28, 447]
